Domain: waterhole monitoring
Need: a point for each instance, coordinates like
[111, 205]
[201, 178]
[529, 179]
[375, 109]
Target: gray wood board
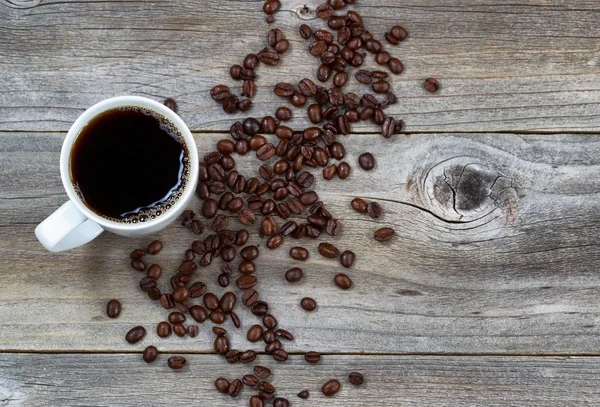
[531, 66]
[495, 252]
[125, 380]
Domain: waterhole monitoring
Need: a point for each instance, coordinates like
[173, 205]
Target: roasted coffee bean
[268, 336]
[280, 402]
[260, 308]
[257, 141]
[137, 254]
[314, 113]
[280, 355]
[366, 113]
[223, 280]
[282, 333]
[163, 329]
[231, 104]
[198, 313]
[232, 356]
[176, 317]
[266, 387]
[431, 85]
[219, 331]
[324, 11]
[340, 79]
[220, 223]
[179, 330]
[269, 57]
[256, 401]
[217, 317]
[241, 237]
[384, 234]
[299, 253]
[398, 32]
[209, 208]
[328, 250]
[369, 100]
[280, 167]
[203, 193]
[312, 357]
[153, 248]
[221, 345]
[395, 66]
[246, 282]
[347, 258]
[374, 210]
[228, 302]
[266, 172]
[288, 228]
[382, 58]
[284, 89]
[328, 57]
[307, 87]
[388, 128]
[211, 301]
[313, 231]
[298, 99]
[381, 86]
[329, 172]
[342, 281]
[273, 346]
[180, 294]
[228, 253]
[250, 380]
[265, 152]
[305, 31]
[255, 333]
[113, 308]
[317, 47]
[249, 253]
[359, 205]
[246, 217]
[207, 258]
[138, 265]
[150, 354]
[167, 301]
[323, 74]
[356, 378]
[262, 372]
[274, 36]
[335, 23]
[293, 275]
[308, 304]
[235, 388]
[212, 157]
[336, 97]
[176, 362]
[268, 225]
[346, 52]
[324, 35]
[366, 161]
[304, 394]
[247, 267]
[222, 385]
[283, 113]
[343, 170]
[274, 241]
[235, 72]
[183, 306]
[309, 198]
[219, 93]
[343, 125]
[248, 356]
[331, 388]
[135, 334]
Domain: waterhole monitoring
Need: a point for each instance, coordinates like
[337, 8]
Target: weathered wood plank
[496, 252]
[507, 67]
[125, 380]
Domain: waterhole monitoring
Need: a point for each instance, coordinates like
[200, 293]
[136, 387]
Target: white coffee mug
[74, 224]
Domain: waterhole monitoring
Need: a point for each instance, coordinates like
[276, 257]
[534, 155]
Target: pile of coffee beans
[278, 199]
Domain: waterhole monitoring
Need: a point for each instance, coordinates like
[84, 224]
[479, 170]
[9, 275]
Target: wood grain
[125, 380]
[529, 66]
[495, 252]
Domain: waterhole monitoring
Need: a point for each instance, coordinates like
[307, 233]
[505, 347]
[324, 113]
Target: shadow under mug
[74, 224]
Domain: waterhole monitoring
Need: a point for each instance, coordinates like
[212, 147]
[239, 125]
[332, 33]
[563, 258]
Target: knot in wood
[464, 189]
[305, 12]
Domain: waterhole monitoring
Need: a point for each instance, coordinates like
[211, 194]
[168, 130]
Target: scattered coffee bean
[384, 234]
[113, 308]
[342, 281]
[312, 357]
[235, 388]
[374, 210]
[192, 331]
[250, 380]
[256, 401]
[150, 354]
[431, 85]
[282, 333]
[262, 372]
[135, 334]
[328, 250]
[308, 304]
[331, 388]
[299, 253]
[347, 258]
[163, 329]
[304, 394]
[280, 402]
[221, 345]
[222, 385]
[255, 333]
[293, 275]
[366, 161]
[356, 378]
[176, 362]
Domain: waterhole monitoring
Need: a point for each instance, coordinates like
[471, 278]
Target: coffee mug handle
[66, 228]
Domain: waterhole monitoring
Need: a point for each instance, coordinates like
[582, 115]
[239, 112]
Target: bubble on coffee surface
[158, 208]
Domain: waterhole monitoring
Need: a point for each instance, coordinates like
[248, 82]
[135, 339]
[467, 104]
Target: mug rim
[128, 101]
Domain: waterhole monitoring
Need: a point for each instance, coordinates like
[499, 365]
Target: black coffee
[129, 164]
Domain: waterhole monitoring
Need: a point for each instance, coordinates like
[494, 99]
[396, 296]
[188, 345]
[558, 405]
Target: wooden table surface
[489, 293]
